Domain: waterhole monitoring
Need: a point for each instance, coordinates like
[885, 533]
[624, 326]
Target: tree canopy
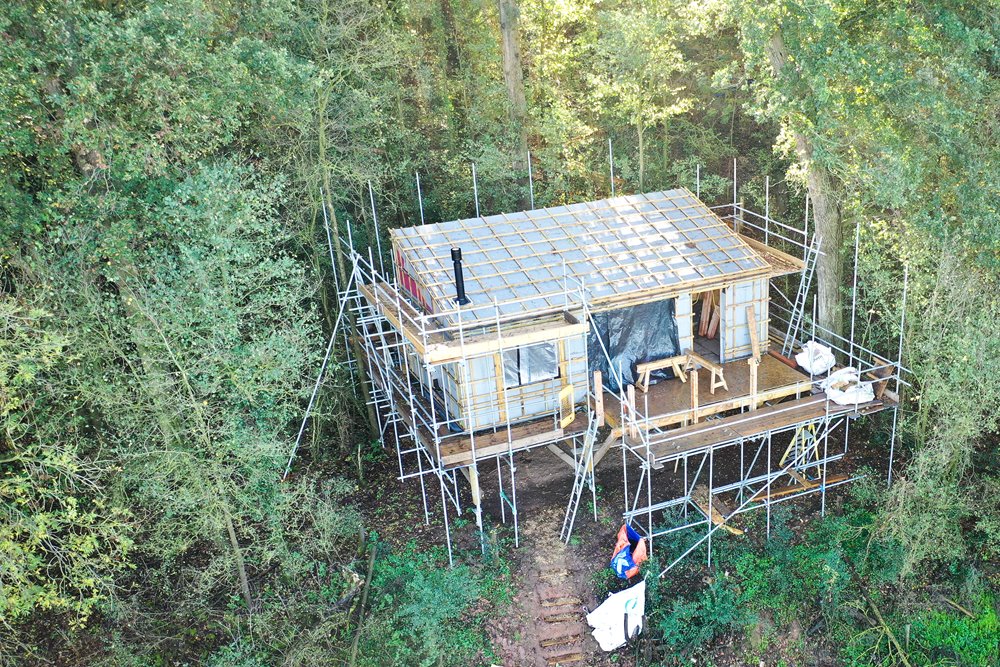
[166, 289]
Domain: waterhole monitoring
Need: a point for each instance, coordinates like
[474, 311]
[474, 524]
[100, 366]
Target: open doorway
[707, 319]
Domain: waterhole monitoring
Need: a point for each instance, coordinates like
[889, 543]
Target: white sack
[815, 358]
[848, 375]
[854, 393]
[608, 620]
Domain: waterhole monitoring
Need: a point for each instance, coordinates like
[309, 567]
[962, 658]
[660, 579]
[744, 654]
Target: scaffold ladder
[583, 478]
[798, 308]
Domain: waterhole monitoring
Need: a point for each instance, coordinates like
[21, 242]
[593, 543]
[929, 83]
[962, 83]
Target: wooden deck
[669, 401]
[747, 425]
[456, 451]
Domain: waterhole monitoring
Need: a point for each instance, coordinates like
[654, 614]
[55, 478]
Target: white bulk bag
[845, 387]
[620, 609]
[815, 358]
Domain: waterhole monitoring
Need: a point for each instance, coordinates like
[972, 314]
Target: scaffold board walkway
[748, 425]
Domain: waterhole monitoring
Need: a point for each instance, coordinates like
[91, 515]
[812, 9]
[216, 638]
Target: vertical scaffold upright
[675, 445]
[423, 373]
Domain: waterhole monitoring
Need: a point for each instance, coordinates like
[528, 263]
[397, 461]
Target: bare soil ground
[556, 583]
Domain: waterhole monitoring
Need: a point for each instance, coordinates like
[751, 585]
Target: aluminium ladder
[583, 478]
[798, 308]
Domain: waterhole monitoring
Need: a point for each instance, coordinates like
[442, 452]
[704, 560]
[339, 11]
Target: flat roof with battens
[627, 249]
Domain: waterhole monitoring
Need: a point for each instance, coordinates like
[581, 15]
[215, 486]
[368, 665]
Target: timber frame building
[652, 324]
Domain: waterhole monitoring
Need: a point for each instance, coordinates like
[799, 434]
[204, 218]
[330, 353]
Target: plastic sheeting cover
[623, 608]
[632, 336]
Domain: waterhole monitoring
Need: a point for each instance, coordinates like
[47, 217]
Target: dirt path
[549, 615]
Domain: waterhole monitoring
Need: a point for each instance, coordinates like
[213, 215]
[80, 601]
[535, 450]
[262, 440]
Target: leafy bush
[421, 613]
[237, 654]
[786, 578]
[690, 624]
[63, 540]
[958, 639]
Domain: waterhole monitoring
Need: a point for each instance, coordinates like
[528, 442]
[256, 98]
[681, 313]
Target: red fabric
[639, 554]
[410, 284]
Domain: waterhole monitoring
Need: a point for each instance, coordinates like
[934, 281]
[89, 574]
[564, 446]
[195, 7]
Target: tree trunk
[453, 60]
[641, 131]
[826, 213]
[513, 77]
[164, 410]
[339, 253]
[234, 542]
[458, 117]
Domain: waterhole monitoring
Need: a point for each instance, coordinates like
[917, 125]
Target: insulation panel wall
[733, 331]
[481, 400]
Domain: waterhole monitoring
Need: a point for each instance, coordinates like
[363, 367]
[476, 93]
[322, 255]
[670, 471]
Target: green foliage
[946, 637]
[161, 293]
[883, 95]
[689, 625]
[421, 613]
[807, 579]
[63, 541]
[951, 413]
[934, 638]
[238, 654]
[896, 105]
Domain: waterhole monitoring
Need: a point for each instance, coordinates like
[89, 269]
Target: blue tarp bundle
[622, 562]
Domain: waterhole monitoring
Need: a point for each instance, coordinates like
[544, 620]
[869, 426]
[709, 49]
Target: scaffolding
[422, 390]
[421, 351]
[684, 444]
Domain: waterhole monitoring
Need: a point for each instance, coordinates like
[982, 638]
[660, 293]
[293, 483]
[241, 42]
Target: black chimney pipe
[456, 258]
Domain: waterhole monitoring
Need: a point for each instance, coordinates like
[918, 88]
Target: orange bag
[626, 538]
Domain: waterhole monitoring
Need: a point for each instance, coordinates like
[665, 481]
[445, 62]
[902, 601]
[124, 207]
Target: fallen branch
[364, 600]
[960, 608]
[871, 605]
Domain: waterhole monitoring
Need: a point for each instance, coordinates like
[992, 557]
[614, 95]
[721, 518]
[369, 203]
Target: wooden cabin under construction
[651, 314]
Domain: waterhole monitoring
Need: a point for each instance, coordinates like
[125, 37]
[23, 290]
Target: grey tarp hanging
[632, 336]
